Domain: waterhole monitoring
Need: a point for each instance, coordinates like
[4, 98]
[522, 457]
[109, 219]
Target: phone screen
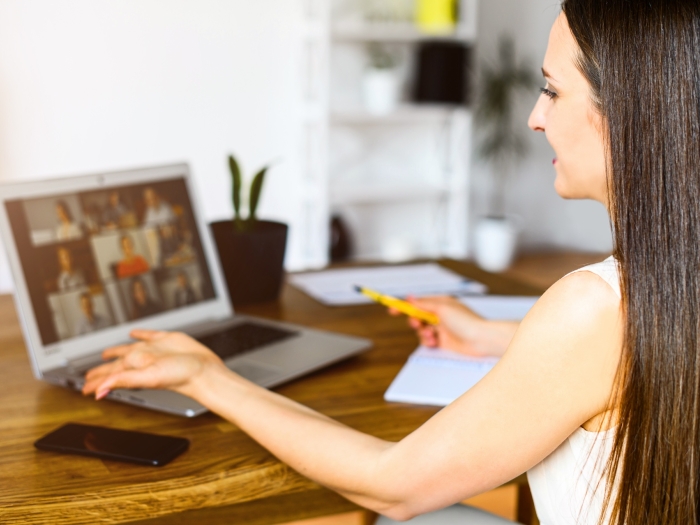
[111, 443]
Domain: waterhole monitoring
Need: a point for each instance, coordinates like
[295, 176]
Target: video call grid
[97, 259]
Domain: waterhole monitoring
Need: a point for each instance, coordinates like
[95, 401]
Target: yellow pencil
[397, 304]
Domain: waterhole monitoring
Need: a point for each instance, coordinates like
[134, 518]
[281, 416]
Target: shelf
[404, 114]
[394, 32]
[375, 193]
[404, 174]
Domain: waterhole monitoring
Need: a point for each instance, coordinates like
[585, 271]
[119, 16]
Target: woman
[158, 212]
[67, 228]
[598, 392]
[68, 276]
[114, 214]
[143, 305]
[132, 263]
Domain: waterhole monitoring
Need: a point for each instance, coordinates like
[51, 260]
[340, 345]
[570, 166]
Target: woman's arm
[557, 374]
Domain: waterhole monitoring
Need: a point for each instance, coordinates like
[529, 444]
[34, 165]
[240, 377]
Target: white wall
[91, 86]
[548, 220]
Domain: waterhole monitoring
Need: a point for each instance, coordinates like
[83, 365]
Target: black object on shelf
[252, 261]
[441, 73]
[341, 240]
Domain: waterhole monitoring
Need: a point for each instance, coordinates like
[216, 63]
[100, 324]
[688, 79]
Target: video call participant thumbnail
[68, 277]
[143, 305]
[67, 227]
[184, 293]
[89, 320]
[132, 263]
[158, 212]
[114, 213]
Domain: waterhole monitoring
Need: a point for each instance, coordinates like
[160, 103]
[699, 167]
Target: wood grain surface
[224, 473]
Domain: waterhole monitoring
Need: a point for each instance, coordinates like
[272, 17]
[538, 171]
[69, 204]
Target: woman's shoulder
[579, 317]
[588, 294]
[608, 270]
[571, 341]
[584, 294]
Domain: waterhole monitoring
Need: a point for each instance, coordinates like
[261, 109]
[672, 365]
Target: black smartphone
[111, 443]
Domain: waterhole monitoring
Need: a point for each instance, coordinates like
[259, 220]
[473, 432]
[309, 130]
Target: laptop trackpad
[254, 372]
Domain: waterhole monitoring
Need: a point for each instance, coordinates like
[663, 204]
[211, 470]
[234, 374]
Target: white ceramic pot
[495, 239]
[398, 249]
[380, 91]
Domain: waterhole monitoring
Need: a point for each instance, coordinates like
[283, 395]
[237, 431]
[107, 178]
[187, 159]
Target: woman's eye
[548, 92]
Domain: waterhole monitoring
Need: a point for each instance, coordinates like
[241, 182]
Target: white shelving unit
[404, 114]
[401, 180]
[387, 193]
[313, 137]
[354, 30]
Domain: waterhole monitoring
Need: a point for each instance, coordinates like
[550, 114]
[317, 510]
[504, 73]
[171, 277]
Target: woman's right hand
[168, 360]
[460, 329]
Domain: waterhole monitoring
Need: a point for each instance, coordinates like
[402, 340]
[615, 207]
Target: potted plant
[502, 145]
[251, 251]
[380, 82]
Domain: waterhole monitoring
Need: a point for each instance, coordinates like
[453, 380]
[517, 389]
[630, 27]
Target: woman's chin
[563, 190]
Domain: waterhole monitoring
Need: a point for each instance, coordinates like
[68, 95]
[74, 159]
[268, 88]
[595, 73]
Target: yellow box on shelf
[437, 17]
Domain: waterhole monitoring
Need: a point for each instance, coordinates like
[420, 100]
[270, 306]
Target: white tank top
[567, 485]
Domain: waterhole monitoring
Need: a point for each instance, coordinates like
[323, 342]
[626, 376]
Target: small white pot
[380, 91]
[398, 249]
[495, 239]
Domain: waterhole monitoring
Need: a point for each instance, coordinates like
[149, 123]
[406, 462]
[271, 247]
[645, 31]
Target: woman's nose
[536, 121]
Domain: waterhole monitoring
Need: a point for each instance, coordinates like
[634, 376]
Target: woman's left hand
[168, 360]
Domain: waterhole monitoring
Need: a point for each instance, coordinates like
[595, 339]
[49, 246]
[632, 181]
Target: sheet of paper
[336, 287]
[500, 307]
[438, 377]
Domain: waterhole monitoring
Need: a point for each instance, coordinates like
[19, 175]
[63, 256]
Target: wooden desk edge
[172, 496]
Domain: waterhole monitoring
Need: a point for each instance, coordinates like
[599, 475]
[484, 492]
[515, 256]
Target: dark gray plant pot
[252, 261]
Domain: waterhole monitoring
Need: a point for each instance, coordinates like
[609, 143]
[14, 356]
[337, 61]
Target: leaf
[499, 88]
[236, 187]
[255, 190]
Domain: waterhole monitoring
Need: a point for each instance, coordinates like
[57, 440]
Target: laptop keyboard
[243, 338]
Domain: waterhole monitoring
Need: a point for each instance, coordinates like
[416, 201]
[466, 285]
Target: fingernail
[101, 393]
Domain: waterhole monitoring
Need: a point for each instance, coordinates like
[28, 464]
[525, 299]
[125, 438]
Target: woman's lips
[554, 161]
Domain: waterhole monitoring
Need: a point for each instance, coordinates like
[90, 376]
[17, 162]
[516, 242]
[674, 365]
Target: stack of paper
[337, 287]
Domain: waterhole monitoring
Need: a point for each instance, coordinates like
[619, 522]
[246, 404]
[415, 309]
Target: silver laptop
[95, 256]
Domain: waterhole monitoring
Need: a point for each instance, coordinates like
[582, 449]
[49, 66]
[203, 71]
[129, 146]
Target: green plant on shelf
[248, 224]
[381, 56]
[502, 142]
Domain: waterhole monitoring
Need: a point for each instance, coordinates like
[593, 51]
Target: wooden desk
[225, 477]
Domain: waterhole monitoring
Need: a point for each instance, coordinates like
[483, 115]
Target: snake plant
[502, 143]
[256, 185]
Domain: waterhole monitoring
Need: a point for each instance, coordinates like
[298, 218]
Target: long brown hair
[642, 60]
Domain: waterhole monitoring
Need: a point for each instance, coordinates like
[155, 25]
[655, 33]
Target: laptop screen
[96, 259]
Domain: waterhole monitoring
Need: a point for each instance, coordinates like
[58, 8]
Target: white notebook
[438, 377]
